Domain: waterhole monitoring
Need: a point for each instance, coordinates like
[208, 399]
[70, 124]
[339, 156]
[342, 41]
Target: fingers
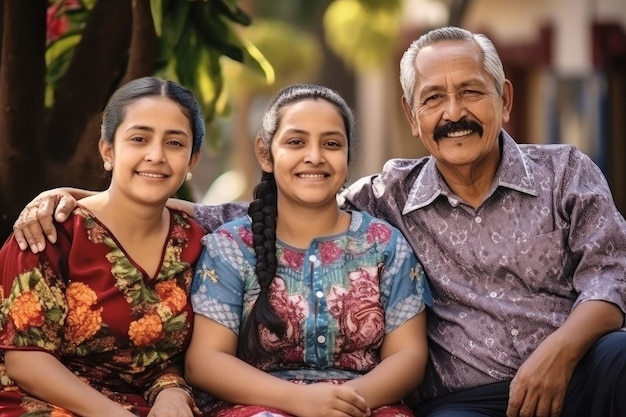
[516, 399]
[64, 208]
[523, 403]
[35, 222]
[27, 231]
[351, 403]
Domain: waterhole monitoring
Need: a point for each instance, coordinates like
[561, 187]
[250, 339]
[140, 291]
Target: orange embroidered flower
[97, 233]
[26, 311]
[146, 330]
[82, 320]
[172, 295]
[58, 412]
[80, 294]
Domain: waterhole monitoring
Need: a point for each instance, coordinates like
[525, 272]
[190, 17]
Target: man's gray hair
[492, 62]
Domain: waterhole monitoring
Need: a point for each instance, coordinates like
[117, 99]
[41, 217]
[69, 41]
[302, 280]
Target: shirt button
[478, 219]
[514, 332]
[312, 258]
[321, 339]
[493, 294]
[319, 294]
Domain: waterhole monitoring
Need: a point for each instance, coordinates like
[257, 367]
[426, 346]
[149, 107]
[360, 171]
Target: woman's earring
[108, 166]
[189, 176]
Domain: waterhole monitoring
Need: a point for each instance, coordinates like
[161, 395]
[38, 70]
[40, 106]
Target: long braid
[263, 212]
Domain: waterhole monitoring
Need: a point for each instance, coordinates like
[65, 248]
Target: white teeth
[459, 134]
[147, 174]
[311, 176]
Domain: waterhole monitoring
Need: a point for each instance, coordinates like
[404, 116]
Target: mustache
[443, 131]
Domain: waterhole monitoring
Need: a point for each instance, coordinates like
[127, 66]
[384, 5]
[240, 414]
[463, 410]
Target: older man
[523, 245]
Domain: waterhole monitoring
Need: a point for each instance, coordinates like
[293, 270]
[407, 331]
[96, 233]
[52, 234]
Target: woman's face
[309, 154]
[152, 150]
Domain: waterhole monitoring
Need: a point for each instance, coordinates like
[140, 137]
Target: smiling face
[152, 150]
[309, 154]
[457, 111]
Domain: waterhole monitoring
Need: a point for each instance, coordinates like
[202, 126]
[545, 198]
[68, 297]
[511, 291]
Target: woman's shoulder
[238, 230]
[182, 218]
[363, 220]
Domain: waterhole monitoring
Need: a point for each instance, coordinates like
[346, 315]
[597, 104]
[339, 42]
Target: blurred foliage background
[61, 59]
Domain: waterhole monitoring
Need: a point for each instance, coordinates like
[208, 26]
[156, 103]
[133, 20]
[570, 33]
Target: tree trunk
[22, 75]
[98, 63]
[134, 49]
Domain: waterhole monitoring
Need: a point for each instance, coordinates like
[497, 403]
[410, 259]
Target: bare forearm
[78, 193]
[392, 379]
[404, 353]
[182, 205]
[44, 377]
[223, 375]
[586, 324]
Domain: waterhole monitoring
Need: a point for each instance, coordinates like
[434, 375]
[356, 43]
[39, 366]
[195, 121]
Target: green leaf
[60, 46]
[256, 61]
[232, 11]
[175, 21]
[156, 7]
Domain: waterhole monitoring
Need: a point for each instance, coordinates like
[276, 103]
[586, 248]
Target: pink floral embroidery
[293, 259]
[246, 236]
[330, 252]
[225, 233]
[360, 316]
[294, 309]
[378, 231]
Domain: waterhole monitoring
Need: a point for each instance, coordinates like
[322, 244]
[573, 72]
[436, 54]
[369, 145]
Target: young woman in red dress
[97, 323]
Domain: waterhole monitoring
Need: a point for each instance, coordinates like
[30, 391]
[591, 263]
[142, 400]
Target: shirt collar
[514, 172]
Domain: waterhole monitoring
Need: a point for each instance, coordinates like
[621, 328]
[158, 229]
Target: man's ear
[507, 100]
[262, 153]
[408, 112]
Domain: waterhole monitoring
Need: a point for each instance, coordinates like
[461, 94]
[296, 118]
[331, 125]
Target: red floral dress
[85, 301]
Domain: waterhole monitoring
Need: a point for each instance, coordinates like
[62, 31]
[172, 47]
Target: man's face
[457, 111]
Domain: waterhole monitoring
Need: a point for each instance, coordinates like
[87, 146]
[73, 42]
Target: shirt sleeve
[212, 217]
[218, 285]
[597, 236]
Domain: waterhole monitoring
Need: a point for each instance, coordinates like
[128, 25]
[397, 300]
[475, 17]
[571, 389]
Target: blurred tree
[363, 33]
[61, 59]
[296, 57]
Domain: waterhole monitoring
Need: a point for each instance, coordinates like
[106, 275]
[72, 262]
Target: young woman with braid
[302, 309]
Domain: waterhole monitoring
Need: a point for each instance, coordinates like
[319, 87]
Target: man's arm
[541, 382]
[36, 219]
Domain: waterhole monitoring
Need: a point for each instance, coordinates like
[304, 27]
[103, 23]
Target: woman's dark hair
[263, 212]
[115, 110]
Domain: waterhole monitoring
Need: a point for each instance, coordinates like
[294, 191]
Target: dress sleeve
[32, 293]
[597, 233]
[404, 289]
[218, 285]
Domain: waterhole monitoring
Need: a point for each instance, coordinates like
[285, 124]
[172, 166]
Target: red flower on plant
[56, 20]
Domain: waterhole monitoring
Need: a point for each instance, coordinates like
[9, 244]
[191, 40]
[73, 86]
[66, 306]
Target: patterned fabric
[508, 273]
[339, 297]
[86, 302]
